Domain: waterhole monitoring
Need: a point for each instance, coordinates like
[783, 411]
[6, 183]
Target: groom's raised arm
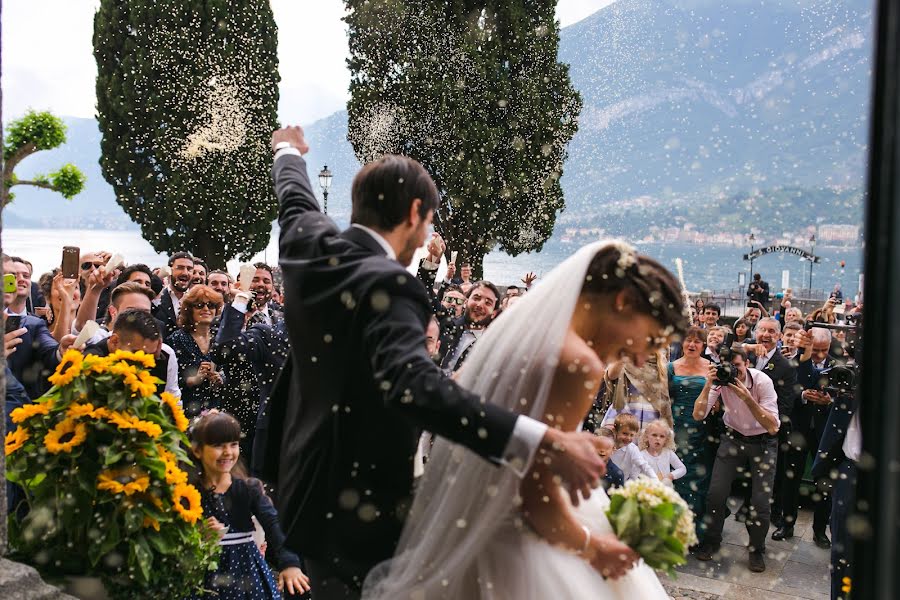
[299, 216]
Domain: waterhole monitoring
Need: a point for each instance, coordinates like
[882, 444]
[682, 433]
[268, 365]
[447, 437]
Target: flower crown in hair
[198, 418]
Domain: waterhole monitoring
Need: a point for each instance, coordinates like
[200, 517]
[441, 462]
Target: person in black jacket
[347, 410]
[758, 290]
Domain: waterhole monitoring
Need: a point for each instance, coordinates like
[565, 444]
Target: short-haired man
[458, 339]
[139, 273]
[222, 282]
[758, 290]
[353, 308]
[134, 296]
[200, 272]
[166, 309]
[710, 316]
[262, 286]
[512, 291]
[808, 422]
[752, 316]
[750, 442]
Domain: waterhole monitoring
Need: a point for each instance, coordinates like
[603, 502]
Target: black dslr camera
[839, 379]
[726, 374]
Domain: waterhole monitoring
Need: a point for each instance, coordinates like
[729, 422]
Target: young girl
[627, 456]
[229, 500]
[658, 449]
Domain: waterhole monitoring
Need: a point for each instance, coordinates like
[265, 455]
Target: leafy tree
[32, 133]
[187, 94]
[472, 90]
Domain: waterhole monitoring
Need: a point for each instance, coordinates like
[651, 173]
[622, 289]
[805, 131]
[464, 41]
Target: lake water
[705, 268]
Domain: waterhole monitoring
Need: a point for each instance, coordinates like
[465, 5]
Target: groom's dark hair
[649, 285]
[385, 188]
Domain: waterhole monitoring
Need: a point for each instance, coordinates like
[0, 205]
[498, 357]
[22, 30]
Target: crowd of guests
[220, 344]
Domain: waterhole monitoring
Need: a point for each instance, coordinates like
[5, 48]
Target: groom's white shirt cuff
[285, 151]
[525, 440]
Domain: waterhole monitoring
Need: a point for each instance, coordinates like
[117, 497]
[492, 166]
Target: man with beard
[166, 309]
[200, 272]
[262, 286]
[222, 282]
[460, 337]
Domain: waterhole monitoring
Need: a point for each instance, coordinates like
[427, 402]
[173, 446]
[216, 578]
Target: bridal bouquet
[654, 521]
[98, 458]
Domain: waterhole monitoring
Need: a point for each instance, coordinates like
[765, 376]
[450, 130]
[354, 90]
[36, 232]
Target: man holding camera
[758, 290]
[749, 442]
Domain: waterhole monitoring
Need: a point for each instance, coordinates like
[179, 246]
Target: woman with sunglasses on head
[198, 377]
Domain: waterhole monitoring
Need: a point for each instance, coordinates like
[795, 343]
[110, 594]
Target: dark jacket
[164, 311]
[810, 416]
[35, 358]
[264, 348]
[346, 413]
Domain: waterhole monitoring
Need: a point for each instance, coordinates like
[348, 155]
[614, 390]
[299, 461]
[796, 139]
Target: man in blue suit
[38, 354]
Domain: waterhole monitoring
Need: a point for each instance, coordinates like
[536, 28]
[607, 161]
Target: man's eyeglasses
[210, 305]
[456, 301]
[86, 266]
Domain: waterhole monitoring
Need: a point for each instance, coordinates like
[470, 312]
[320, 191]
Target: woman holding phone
[200, 381]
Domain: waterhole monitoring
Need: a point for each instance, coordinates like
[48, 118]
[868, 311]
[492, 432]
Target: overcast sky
[48, 61]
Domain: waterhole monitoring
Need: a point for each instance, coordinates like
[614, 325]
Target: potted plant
[98, 459]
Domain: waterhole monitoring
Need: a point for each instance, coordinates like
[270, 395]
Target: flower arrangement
[653, 520]
[98, 458]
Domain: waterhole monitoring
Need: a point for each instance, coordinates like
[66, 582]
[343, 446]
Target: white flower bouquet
[654, 521]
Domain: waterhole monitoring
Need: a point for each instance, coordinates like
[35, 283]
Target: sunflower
[181, 421]
[77, 410]
[100, 413]
[147, 360]
[95, 364]
[123, 481]
[69, 368]
[151, 429]
[16, 439]
[174, 475]
[23, 413]
[53, 440]
[185, 492]
[151, 522]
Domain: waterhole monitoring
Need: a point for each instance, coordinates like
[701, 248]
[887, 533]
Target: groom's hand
[573, 457]
[293, 136]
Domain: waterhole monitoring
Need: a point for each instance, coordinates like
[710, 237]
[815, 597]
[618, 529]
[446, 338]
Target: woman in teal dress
[687, 376]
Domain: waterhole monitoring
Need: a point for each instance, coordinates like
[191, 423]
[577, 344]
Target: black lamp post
[812, 259]
[752, 241]
[325, 183]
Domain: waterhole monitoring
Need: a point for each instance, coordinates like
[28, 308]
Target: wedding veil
[462, 499]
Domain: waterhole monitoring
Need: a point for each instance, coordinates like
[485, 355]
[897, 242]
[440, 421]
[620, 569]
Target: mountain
[691, 107]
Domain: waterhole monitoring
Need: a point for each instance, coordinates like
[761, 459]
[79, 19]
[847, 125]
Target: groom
[346, 413]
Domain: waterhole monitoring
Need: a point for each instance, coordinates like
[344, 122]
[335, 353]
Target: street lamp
[812, 259]
[752, 240]
[325, 183]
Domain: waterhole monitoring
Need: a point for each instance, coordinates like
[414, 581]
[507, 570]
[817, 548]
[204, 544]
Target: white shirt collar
[388, 250]
[764, 360]
[10, 313]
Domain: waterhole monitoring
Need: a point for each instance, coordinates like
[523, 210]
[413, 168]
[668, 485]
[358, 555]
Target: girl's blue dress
[243, 573]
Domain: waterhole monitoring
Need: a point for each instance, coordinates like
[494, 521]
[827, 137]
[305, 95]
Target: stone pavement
[795, 569]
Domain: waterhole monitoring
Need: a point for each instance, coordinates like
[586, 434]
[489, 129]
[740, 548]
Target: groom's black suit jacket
[346, 413]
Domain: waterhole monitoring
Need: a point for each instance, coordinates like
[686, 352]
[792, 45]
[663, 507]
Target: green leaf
[108, 542]
[144, 555]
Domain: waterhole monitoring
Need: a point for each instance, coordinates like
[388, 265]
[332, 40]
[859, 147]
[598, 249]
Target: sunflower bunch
[100, 459]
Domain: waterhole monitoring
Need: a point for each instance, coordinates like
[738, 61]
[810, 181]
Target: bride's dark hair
[651, 288]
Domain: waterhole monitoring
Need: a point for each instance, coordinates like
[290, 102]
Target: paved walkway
[795, 569]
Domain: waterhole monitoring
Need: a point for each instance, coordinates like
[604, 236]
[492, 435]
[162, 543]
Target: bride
[477, 531]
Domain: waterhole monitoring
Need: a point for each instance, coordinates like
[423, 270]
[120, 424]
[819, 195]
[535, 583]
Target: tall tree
[34, 132]
[187, 94]
[473, 90]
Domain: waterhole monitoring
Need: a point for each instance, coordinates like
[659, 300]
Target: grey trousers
[738, 455]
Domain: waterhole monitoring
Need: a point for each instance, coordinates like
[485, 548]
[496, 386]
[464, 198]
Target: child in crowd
[614, 476]
[658, 449]
[230, 499]
[627, 456]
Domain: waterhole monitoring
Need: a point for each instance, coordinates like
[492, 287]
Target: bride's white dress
[521, 566]
[464, 539]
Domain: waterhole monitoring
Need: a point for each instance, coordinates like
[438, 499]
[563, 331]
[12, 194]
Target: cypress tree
[474, 91]
[187, 94]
